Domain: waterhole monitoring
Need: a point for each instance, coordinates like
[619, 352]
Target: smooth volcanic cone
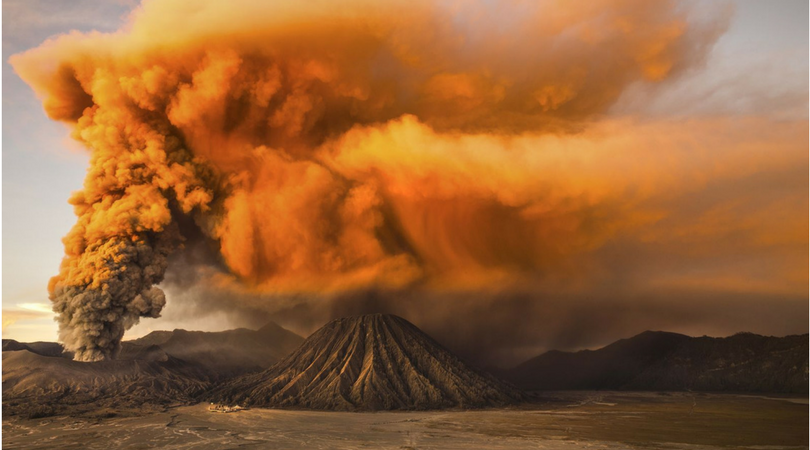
[370, 362]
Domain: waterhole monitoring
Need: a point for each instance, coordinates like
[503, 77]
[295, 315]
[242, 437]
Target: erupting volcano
[464, 205]
[321, 149]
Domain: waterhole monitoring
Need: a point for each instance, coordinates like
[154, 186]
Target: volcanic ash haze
[328, 147]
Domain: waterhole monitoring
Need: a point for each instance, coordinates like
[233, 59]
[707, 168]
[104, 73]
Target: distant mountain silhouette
[40, 348]
[744, 362]
[371, 362]
[226, 353]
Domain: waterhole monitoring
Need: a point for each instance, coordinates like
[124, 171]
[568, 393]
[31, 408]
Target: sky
[41, 165]
[674, 198]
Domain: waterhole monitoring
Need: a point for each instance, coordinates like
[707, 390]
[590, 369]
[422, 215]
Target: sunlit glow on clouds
[596, 183]
[44, 308]
[26, 312]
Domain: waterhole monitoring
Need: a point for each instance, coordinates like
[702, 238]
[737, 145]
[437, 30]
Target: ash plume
[333, 148]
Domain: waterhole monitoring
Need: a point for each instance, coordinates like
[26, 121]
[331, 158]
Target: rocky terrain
[161, 369]
[36, 386]
[374, 362]
[371, 362]
[662, 361]
[572, 420]
[227, 353]
[40, 348]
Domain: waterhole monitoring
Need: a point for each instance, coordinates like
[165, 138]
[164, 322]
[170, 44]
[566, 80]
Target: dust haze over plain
[445, 162]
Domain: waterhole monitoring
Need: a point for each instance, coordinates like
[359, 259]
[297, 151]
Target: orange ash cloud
[325, 147]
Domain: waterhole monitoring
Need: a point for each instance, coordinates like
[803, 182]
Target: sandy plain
[562, 420]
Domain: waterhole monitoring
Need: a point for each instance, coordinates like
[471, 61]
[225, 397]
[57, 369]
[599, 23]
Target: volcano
[366, 363]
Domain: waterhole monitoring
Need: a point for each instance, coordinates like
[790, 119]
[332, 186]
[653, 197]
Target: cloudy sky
[661, 189]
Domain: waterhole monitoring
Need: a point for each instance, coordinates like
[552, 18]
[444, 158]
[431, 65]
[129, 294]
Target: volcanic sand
[567, 420]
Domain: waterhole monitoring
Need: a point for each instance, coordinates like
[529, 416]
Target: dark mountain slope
[39, 379]
[613, 365]
[744, 362]
[668, 361]
[40, 348]
[10, 345]
[227, 353]
[154, 338]
[36, 385]
[371, 362]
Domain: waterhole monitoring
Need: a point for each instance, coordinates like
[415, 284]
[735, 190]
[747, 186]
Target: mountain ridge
[656, 360]
[384, 363]
[40, 379]
[227, 353]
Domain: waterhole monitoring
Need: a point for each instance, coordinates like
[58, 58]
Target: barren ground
[567, 420]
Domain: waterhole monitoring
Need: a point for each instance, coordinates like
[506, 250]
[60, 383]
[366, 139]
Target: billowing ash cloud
[330, 147]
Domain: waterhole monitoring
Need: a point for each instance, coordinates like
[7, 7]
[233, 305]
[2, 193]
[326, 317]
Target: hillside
[371, 362]
[40, 348]
[375, 362]
[40, 380]
[227, 353]
[36, 385]
[744, 362]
